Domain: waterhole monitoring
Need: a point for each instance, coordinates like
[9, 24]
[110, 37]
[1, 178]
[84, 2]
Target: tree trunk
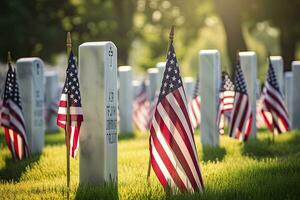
[287, 46]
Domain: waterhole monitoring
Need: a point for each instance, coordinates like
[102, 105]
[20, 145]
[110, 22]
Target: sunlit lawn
[255, 170]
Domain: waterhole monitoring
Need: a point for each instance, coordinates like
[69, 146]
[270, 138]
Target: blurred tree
[33, 27]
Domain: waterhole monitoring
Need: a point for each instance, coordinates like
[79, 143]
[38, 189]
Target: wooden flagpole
[171, 36]
[67, 134]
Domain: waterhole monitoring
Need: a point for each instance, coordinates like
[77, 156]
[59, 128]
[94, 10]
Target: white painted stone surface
[258, 88]
[288, 96]
[153, 78]
[161, 66]
[277, 63]
[189, 86]
[296, 94]
[30, 74]
[249, 66]
[98, 137]
[51, 96]
[136, 85]
[210, 72]
[125, 99]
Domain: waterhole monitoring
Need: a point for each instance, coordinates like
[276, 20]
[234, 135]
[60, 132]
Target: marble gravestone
[98, 137]
[51, 98]
[153, 78]
[288, 94]
[277, 63]
[161, 66]
[296, 95]
[136, 87]
[210, 73]
[188, 84]
[125, 99]
[249, 67]
[30, 75]
[258, 88]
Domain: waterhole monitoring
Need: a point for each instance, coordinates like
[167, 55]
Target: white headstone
[30, 73]
[136, 87]
[189, 86]
[125, 99]
[277, 63]
[51, 97]
[249, 67]
[258, 88]
[98, 137]
[161, 69]
[296, 94]
[210, 73]
[153, 82]
[288, 96]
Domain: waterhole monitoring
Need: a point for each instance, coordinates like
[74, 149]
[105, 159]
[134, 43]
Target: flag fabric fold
[173, 152]
[12, 117]
[274, 110]
[195, 105]
[71, 96]
[241, 115]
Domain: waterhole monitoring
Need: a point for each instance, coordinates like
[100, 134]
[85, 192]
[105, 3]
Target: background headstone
[277, 63]
[189, 85]
[136, 87]
[296, 94]
[30, 74]
[288, 96]
[125, 99]
[210, 73]
[249, 67]
[153, 78]
[98, 138]
[51, 97]
[161, 66]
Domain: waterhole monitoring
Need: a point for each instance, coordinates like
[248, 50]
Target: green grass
[255, 170]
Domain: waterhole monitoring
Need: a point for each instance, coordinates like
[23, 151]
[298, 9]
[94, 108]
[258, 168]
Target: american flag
[12, 117]
[273, 103]
[141, 107]
[241, 116]
[226, 99]
[71, 95]
[52, 107]
[172, 147]
[194, 105]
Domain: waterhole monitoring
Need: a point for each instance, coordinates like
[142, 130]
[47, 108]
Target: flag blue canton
[227, 84]
[11, 91]
[71, 86]
[271, 77]
[240, 84]
[171, 80]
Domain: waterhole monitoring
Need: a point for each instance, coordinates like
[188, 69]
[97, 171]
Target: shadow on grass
[97, 192]
[126, 136]
[14, 169]
[266, 148]
[213, 153]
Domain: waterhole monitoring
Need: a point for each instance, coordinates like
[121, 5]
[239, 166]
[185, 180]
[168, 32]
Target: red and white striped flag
[241, 116]
[195, 105]
[12, 117]
[71, 95]
[273, 103]
[226, 99]
[141, 107]
[173, 152]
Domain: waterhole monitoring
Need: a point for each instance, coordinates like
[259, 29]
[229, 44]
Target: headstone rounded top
[188, 79]
[247, 53]
[51, 73]
[279, 58]
[152, 71]
[124, 68]
[296, 63]
[160, 64]
[288, 74]
[209, 51]
[96, 44]
[136, 83]
[29, 59]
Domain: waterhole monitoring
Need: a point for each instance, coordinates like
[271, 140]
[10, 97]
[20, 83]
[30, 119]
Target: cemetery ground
[257, 169]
